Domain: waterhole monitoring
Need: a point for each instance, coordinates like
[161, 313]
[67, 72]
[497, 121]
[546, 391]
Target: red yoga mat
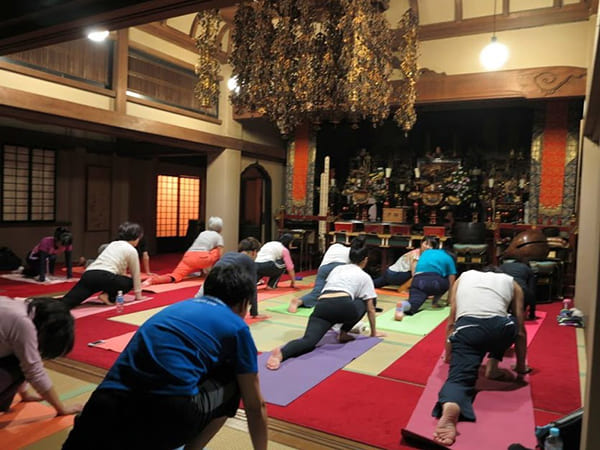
[415, 366]
[360, 407]
[553, 356]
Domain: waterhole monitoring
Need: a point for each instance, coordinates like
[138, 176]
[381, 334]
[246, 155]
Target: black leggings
[11, 378]
[328, 311]
[96, 281]
[150, 421]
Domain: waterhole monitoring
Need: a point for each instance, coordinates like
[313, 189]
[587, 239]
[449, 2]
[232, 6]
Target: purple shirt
[47, 245]
[18, 336]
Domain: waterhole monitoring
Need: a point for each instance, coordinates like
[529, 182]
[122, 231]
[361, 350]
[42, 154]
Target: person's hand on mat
[71, 409]
[379, 334]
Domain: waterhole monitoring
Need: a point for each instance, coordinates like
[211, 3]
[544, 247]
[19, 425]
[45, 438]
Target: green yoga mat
[282, 309]
[420, 324]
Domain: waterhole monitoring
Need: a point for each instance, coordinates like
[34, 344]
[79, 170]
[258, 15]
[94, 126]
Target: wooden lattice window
[154, 79]
[178, 201]
[28, 184]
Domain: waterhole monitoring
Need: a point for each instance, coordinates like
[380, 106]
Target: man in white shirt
[479, 323]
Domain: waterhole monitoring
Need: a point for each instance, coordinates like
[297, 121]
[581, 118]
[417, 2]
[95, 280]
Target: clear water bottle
[553, 440]
[120, 302]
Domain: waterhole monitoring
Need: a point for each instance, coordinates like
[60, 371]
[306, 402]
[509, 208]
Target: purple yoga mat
[298, 375]
[504, 413]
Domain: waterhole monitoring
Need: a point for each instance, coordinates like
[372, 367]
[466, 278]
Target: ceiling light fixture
[495, 54]
[98, 35]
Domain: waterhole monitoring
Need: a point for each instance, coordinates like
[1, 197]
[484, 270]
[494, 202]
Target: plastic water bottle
[120, 302]
[553, 440]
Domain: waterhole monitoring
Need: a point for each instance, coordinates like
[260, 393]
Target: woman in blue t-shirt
[435, 273]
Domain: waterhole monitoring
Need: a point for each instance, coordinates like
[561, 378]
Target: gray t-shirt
[206, 241]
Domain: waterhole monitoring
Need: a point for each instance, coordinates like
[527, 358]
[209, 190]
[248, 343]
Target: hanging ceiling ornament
[207, 68]
[406, 89]
[319, 60]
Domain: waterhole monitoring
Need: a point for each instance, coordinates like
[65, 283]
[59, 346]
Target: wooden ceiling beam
[537, 83]
[512, 21]
[69, 20]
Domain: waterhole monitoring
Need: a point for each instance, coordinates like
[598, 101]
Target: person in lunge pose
[244, 258]
[203, 254]
[336, 255]
[435, 273]
[273, 259]
[30, 332]
[478, 323]
[181, 375]
[347, 295]
[523, 274]
[404, 268]
[42, 258]
[108, 273]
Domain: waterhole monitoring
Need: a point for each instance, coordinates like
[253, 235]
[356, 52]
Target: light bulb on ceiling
[494, 55]
[232, 85]
[98, 35]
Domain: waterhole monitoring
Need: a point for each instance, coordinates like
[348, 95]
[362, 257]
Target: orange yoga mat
[27, 423]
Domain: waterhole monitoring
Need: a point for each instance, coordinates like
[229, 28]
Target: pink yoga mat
[94, 306]
[504, 411]
[158, 288]
[504, 416]
[114, 344]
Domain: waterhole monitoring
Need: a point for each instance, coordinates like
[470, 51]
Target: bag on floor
[8, 259]
[570, 430]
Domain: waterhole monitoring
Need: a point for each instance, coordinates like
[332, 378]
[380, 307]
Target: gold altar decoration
[319, 60]
[207, 68]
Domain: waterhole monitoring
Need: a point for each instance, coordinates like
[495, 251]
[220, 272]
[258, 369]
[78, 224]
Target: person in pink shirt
[32, 331]
[273, 259]
[42, 258]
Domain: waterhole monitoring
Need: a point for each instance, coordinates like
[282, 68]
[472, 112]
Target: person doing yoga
[347, 295]
[404, 268]
[478, 323]
[206, 250]
[435, 273]
[336, 255]
[108, 273]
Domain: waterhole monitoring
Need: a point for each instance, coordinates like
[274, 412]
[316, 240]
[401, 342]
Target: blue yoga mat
[298, 375]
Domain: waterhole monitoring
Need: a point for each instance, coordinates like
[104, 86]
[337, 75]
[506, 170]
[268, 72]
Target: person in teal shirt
[435, 273]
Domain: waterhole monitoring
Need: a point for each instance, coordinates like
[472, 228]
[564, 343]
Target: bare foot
[147, 282]
[445, 431]
[294, 304]
[345, 337]
[104, 299]
[399, 314]
[260, 317]
[275, 359]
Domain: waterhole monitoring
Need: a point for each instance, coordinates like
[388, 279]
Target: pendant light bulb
[494, 55]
